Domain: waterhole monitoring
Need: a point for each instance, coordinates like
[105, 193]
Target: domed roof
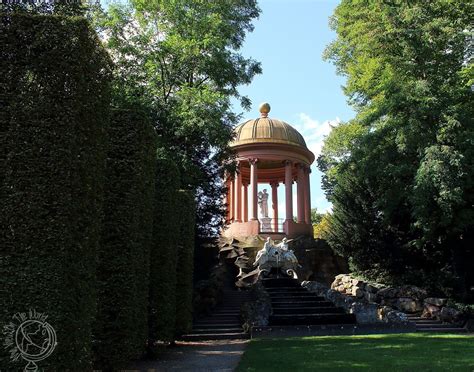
[267, 130]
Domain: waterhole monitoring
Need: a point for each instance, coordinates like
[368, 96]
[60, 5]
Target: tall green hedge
[120, 332]
[54, 85]
[163, 258]
[184, 274]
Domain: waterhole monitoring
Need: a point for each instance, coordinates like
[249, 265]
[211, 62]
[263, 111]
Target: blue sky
[302, 89]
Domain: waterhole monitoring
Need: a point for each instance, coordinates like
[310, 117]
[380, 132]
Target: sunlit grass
[391, 352]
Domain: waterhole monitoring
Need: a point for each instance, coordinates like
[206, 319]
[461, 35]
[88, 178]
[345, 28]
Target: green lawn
[391, 352]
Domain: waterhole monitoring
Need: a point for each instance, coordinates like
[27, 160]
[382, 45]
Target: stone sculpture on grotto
[276, 257]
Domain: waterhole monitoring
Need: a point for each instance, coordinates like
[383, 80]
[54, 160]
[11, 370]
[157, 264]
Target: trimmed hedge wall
[163, 259]
[55, 101]
[184, 284]
[123, 270]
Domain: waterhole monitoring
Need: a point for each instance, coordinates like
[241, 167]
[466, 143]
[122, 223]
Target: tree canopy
[179, 60]
[400, 173]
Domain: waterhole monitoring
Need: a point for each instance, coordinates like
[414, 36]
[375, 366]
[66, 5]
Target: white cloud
[314, 132]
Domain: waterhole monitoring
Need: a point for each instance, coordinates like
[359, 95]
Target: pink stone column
[253, 189]
[231, 200]
[238, 196]
[245, 197]
[300, 193]
[288, 191]
[275, 205]
[226, 201]
[307, 196]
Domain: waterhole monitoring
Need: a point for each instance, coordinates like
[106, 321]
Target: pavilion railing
[267, 225]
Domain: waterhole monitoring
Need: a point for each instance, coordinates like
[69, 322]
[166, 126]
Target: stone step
[291, 293]
[279, 304]
[219, 319]
[226, 305]
[225, 311]
[280, 282]
[217, 330]
[285, 289]
[215, 336]
[303, 298]
[434, 325]
[442, 330]
[424, 320]
[312, 319]
[236, 298]
[428, 324]
[236, 295]
[216, 325]
[224, 321]
[308, 310]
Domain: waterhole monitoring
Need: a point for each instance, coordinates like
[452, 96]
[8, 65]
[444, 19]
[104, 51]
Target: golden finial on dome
[264, 109]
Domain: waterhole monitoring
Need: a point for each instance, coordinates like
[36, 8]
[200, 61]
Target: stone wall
[366, 312]
[407, 299]
[317, 260]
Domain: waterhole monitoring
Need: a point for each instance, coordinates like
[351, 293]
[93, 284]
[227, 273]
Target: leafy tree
[400, 174]
[179, 60]
[321, 228]
[315, 216]
[56, 7]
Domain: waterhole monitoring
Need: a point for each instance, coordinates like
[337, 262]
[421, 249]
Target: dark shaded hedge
[184, 274]
[54, 92]
[163, 258]
[120, 332]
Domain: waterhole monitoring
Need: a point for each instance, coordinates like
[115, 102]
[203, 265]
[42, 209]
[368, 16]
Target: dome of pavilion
[267, 130]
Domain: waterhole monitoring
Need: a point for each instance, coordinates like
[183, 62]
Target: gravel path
[222, 355]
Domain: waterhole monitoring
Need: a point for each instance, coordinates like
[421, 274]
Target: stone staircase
[294, 305]
[224, 323]
[433, 325]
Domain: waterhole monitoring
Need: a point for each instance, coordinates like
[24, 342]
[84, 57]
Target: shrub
[184, 280]
[123, 269]
[163, 258]
[55, 79]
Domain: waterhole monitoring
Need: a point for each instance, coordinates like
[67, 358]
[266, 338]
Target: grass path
[391, 352]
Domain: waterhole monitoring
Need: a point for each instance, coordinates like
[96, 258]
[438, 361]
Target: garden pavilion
[268, 151]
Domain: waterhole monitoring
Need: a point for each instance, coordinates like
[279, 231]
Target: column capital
[245, 183]
[288, 162]
[274, 184]
[301, 166]
[253, 161]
